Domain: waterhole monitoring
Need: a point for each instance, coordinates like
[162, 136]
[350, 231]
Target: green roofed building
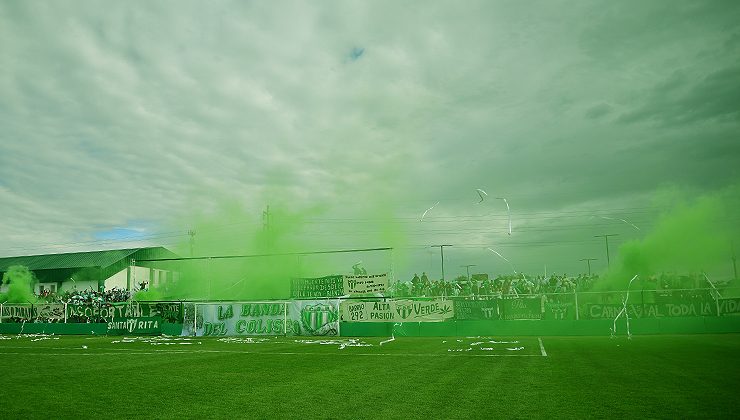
[99, 270]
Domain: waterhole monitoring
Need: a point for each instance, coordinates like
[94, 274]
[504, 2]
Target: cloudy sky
[122, 121]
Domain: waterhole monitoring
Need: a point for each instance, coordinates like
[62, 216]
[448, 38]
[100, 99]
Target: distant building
[99, 270]
[479, 277]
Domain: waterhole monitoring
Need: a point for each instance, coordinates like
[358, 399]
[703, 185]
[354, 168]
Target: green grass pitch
[429, 378]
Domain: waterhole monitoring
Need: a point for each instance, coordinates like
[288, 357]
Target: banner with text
[368, 283]
[729, 306]
[522, 308]
[556, 310]
[317, 287]
[168, 311]
[135, 325]
[247, 318]
[477, 309]
[336, 286]
[42, 311]
[397, 311]
[651, 310]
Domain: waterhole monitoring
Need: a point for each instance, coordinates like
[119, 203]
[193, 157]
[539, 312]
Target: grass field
[430, 378]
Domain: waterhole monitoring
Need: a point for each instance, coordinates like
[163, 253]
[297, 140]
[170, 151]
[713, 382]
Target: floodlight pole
[191, 232]
[442, 256]
[734, 261]
[266, 218]
[210, 277]
[467, 267]
[606, 241]
[588, 262]
[133, 276]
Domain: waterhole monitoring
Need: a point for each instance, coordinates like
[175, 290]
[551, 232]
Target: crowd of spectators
[86, 296]
[74, 297]
[662, 286]
[502, 285]
[671, 280]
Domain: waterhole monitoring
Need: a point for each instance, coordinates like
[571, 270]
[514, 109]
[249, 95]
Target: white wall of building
[153, 277]
[45, 286]
[118, 280]
[79, 285]
[138, 275]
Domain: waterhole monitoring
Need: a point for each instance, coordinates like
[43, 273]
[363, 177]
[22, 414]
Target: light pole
[442, 256]
[734, 261]
[588, 262]
[191, 233]
[606, 241]
[467, 268]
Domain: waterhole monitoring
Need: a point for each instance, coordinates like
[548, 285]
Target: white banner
[248, 318]
[367, 283]
[397, 311]
[41, 311]
[314, 317]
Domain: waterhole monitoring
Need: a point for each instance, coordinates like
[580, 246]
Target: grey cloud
[683, 100]
[598, 111]
[143, 112]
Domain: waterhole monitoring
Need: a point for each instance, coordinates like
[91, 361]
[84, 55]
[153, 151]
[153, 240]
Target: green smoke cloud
[230, 228]
[20, 281]
[693, 236]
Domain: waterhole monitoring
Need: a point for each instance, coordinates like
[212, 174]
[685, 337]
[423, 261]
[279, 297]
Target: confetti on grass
[351, 342]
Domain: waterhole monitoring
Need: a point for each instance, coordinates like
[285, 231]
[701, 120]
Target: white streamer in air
[715, 293]
[512, 265]
[495, 252]
[625, 312]
[425, 213]
[621, 220]
[513, 269]
[481, 194]
[508, 211]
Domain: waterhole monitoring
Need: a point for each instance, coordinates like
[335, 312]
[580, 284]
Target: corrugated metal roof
[71, 259]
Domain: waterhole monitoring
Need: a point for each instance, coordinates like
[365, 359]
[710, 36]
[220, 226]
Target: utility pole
[266, 218]
[606, 241]
[467, 267]
[734, 260]
[191, 232]
[588, 261]
[442, 255]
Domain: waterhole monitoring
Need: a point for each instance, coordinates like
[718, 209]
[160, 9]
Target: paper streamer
[508, 211]
[425, 213]
[625, 312]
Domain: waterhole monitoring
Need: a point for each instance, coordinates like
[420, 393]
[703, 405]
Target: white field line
[75, 348]
[85, 352]
[542, 348]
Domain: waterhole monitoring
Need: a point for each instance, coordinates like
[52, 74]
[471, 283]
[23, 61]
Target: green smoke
[693, 236]
[20, 281]
[228, 228]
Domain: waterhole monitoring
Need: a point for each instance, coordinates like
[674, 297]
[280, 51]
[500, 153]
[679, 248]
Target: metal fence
[543, 306]
[88, 312]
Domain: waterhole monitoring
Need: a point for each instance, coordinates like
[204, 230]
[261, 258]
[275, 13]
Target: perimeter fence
[329, 316]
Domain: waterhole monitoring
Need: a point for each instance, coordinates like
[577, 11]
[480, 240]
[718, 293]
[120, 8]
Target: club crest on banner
[319, 319]
[404, 310]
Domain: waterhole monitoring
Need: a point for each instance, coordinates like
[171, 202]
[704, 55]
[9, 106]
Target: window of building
[51, 287]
